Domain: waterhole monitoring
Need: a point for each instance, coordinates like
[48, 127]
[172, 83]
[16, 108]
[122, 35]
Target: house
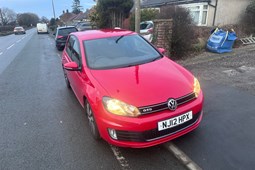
[82, 17]
[67, 18]
[206, 12]
[70, 18]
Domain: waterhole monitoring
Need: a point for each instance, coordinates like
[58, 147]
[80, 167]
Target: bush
[248, 18]
[6, 28]
[111, 13]
[182, 31]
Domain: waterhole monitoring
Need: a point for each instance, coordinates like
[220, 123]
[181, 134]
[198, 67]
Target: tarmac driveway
[225, 138]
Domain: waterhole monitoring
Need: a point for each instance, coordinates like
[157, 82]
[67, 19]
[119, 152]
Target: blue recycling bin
[221, 41]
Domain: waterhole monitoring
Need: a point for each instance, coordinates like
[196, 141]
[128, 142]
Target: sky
[43, 7]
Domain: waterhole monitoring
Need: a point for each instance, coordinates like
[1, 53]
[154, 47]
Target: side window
[70, 46]
[73, 49]
[76, 52]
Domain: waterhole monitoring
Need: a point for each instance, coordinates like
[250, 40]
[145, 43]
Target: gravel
[236, 68]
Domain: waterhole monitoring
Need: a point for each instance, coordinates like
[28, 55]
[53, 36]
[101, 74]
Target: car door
[75, 77]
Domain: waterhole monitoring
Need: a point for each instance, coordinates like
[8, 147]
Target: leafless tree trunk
[7, 16]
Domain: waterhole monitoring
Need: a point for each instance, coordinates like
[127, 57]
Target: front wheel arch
[91, 119]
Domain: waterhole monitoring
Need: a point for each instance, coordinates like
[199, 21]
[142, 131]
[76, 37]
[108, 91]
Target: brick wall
[162, 34]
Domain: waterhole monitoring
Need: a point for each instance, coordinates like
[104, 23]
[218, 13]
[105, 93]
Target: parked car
[82, 26]
[62, 34]
[132, 94]
[42, 28]
[19, 30]
[146, 30]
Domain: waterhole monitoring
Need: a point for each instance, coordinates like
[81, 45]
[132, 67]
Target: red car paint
[139, 85]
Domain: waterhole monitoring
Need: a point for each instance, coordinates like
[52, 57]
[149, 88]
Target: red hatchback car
[132, 94]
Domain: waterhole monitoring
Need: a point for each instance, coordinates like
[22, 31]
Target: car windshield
[66, 31]
[117, 52]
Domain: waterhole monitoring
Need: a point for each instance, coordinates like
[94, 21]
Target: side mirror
[72, 66]
[162, 50]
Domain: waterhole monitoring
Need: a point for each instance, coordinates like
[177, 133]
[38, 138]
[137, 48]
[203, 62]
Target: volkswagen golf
[132, 94]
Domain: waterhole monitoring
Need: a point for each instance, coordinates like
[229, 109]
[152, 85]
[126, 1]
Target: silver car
[19, 30]
[84, 26]
[146, 30]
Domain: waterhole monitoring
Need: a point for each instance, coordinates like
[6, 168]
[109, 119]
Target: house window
[199, 13]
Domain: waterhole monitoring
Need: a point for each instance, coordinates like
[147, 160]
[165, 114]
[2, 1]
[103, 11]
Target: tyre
[92, 122]
[66, 79]
[59, 48]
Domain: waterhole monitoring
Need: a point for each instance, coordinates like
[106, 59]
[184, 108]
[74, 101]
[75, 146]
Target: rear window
[146, 26]
[18, 28]
[66, 31]
[86, 26]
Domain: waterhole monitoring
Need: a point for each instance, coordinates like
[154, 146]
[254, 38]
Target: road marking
[18, 41]
[1, 53]
[180, 155]
[123, 162]
[10, 46]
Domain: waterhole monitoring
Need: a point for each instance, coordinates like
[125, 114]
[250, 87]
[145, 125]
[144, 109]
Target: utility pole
[53, 9]
[2, 18]
[137, 15]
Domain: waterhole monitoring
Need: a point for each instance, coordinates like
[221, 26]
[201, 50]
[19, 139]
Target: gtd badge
[147, 110]
[172, 104]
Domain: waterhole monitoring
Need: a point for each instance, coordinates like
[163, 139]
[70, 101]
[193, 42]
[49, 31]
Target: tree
[111, 13]
[146, 15]
[52, 21]
[44, 19]
[28, 19]
[7, 16]
[93, 16]
[77, 8]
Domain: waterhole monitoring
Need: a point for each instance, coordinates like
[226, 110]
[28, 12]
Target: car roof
[66, 27]
[18, 28]
[103, 33]
[147, 22]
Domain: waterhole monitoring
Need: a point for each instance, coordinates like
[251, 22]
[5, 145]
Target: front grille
[163, 106]
[154, 134]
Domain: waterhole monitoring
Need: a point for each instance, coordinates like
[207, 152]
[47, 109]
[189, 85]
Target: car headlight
[120, 108]
[196, 87]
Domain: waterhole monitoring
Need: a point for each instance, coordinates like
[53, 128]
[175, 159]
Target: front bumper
[19, 32]
[143, 131]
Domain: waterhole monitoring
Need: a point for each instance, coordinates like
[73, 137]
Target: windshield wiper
[119, 39]
[122, 36]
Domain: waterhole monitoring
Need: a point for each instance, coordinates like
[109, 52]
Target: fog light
[112, 133]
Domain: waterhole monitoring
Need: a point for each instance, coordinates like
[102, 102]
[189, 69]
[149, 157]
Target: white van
[42, 28]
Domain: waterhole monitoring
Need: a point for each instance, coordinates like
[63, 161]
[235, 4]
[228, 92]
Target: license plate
[169, 123]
